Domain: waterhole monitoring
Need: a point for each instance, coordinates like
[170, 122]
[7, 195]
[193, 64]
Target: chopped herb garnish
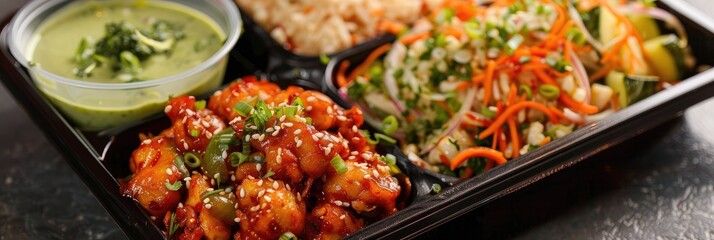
[238, 158]
[191, 159]
[173, 226]
[194, 133]
[339, 164]
[173, 187]
[324, 59]
[243, 108]
[200, 105]
[209, 193]
[181, 166]
[436, 188]
[268, 174]
[288, 236]
[390, 124]
[381, 137]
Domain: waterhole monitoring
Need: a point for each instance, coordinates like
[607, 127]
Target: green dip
[55, 43]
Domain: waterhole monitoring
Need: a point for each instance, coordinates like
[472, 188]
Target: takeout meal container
[101, 158]
[91, 105]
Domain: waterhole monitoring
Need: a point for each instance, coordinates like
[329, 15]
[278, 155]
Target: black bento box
[101, 158]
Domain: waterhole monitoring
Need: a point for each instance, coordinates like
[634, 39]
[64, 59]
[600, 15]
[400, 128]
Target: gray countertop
[659, 185]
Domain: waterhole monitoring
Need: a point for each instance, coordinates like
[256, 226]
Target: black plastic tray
[257, 52]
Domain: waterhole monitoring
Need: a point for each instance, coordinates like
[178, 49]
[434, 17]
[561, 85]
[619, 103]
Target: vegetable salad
[470, 87]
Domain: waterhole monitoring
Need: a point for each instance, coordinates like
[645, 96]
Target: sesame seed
[237, 220]
[263, 205]
[185, 145]
[308, 108]
[208, 134]
[311, 99]
[338, 202]
[270, 190]
[247, 137]
[354, 153]
[153, 217]
[367, 176]
[169, 172]
[205, 124]
[345, 204]
[261, 138]
[299, 197]
[319, 135]
[327, 151]
[354, 128]
[187, 179]
[329, 110]
[334, 139]
[275, 185]
[222, 193]
[255, 208]
[280, 151]
[146, 141]
[299, 143]
[269, 130]
[205, 200]
[330, 145]
[258, 167]
[315, 138]
[341, 118]
[287, 187]
[228, 190]
[278, 159]
[213, 181]
[351, 158]
[261, 193]
[275, 133]
[217, 175]
[255, 136]
[296, 132]
[190, 113]
[242, 192]
[180, 205]
[366, 155]
[342, 217]
[375, 173]
[282, 118]
[267, 198]
[289, 124]
[168, 108]
[233, 178]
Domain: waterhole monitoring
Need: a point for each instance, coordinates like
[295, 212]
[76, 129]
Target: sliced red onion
[455, 122]
[657, 13]
[572, 116]
[575, 16]
[599, 116]
[581, 74]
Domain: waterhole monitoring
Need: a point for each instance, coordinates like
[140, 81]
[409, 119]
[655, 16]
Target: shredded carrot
[512, 110]
[502, 145]
[488, 81]
[494, 144]
[602, 72]
[489, 165]
[341, 79]
[409, 39]
[462, 86]
[515, 139]
[577, 106]
[368, 61]
[468, 172]
[545, 78]
[512, 95]
[545, 141]
[453, 31]
[391, 27]
[473, 152]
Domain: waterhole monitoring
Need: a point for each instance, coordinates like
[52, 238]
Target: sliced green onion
[381, 137]
[369, 138]
[200, 105]
[549, 92]
[559, 65]
[290, 111]
[390, 124]
[209, 193]
[194, 133]
[514, 43]
[243, 108]
[487, 112]
[268, 174]
[440, 40]
[324, 59]
[471, 28]
[238, 158]
[288, 236]
[172, 225]
[178, 162]
[436, 188]
[338, 164]
[191, 159]
[130, 62]
[308, 121]
[173, 187]
[227, 138]
[524, 59]
[298, 102]
[525, 89]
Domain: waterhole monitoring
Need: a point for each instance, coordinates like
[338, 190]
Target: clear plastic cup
[95, 106]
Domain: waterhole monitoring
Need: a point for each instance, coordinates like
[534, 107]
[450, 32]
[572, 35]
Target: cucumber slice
[631, 88]
[645, 25]
[608, 26]
[666, 57]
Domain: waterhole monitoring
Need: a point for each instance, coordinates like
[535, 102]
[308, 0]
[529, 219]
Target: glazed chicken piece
[192, 127]
[329, 221]
[367, 186]
[223, 101]
[152, 165]
[268, 208]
